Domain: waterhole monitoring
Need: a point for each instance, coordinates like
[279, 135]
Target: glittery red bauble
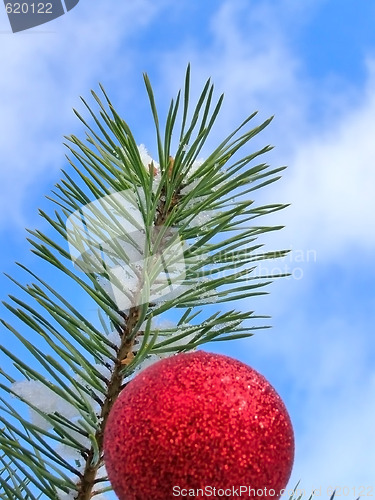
[195, 422]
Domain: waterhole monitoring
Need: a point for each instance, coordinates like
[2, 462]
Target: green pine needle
[82, 363]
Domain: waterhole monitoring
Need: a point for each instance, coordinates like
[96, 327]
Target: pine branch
[94, 459]
[191, 222]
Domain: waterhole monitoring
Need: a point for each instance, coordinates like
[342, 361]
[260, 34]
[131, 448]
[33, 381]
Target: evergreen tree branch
[78, 368]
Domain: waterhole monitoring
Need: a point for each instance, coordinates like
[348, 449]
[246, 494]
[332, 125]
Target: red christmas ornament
[198, 425]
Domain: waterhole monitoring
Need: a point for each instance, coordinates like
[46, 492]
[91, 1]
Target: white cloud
[330, 183]
[248, 59]
[335, 408]
[43, 71]
[339, 448]
[331, 177]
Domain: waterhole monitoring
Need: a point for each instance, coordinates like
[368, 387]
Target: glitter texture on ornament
[195, 420]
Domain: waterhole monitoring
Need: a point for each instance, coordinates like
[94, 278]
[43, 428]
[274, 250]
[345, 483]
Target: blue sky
[312, 65]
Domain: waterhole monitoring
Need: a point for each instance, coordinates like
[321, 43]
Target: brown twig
[88, 479]
[124, 353]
